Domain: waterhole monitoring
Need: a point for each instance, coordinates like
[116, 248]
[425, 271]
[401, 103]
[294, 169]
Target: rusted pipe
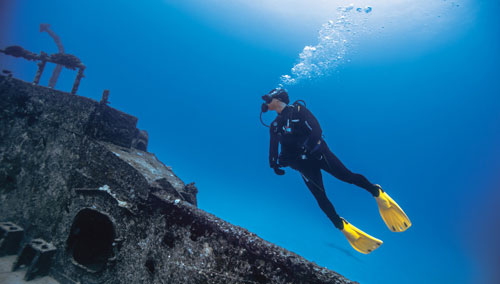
[79, 76]
[57, 70]
[41, 66]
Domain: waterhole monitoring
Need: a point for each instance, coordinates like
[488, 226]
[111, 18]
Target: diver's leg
[314, 181]
[334, 166]
[359, 240]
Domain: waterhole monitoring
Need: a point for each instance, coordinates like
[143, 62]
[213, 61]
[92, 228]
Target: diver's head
[275, 100]
[276, 105]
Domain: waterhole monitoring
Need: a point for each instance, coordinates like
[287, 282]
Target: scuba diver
[304, 149]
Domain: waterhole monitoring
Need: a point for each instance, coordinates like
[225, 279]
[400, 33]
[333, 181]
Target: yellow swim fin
[394, 217]
[360, 240]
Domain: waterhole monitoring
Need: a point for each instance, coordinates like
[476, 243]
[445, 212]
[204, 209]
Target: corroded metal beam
[41, 66]
[57, 39]
[79, 76]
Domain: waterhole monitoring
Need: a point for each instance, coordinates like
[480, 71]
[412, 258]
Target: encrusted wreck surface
[69, 175]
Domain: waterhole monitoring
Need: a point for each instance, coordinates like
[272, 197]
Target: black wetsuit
[303, 149]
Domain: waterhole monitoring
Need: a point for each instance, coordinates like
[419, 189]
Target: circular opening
[91, 239]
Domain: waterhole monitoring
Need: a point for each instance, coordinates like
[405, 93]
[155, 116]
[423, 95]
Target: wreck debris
[105, 97]
[67, 60]
[79, 76]
[121, 203]
[59, 153]
[11, 236]
[7, 72]
[37, 256]
[140, 142]
[41, 66]
[60, 47]
[18, 51]
[190, 192]
[107, 191]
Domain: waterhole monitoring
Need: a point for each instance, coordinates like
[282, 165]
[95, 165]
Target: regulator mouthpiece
[267, 98]
[264, 107]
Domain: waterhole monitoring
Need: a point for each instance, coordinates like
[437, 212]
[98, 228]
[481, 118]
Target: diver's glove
[276, 167]
[278, 171]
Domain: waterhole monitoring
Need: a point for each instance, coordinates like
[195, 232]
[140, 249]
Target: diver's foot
[394, 217]
[360, 240]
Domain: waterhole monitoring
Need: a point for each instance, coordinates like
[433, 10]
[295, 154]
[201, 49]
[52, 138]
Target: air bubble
[334, 39]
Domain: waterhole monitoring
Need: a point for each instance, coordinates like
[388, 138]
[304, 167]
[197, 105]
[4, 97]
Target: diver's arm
[273, 147]
[313, 125]
[273, 152]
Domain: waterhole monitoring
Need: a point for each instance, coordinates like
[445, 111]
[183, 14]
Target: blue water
[412, 103]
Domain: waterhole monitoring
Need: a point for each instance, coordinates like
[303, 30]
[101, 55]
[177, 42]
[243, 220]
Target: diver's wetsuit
[303, 149]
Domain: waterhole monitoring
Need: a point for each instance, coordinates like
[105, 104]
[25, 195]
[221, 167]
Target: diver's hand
[278, 171]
